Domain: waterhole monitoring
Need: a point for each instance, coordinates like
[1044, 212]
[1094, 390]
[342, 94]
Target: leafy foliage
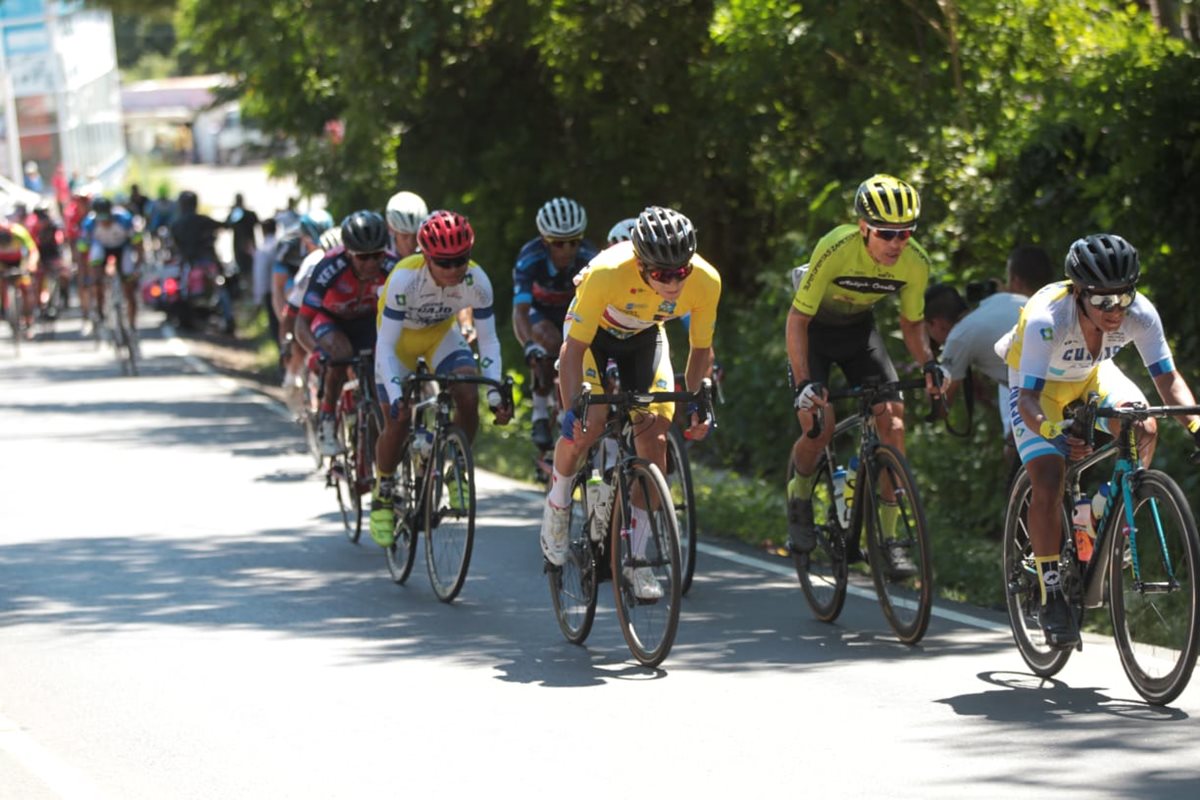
[1019, 120]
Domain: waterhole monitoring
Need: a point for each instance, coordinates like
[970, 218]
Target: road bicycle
[121, 335]
[886, 505]
[601, 544]
[435, 483]
[1143, 562]
[543, 460]
[358, 421]
[13, 300]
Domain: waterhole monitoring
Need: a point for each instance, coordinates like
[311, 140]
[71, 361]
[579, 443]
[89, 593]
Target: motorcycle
[193, 296]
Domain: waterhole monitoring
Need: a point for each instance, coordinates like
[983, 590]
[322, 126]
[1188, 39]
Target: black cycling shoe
[1058, 623]
[899, 565]
[800, 526]
[541, 437]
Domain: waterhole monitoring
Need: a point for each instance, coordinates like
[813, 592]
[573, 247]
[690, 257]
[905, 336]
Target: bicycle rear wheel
[679, 484]
[1023, 593]
[406, 504]
[823, 572]
[310, 414]
[450, 514]
[1154, 612]
[896, 531]
[648, 624]
[573, 586]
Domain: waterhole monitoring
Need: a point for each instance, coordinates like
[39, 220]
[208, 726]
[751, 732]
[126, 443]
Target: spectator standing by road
[244, 224]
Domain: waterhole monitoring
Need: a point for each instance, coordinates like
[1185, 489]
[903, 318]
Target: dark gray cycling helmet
[1102, 261]
[364, 232]
[663, 238]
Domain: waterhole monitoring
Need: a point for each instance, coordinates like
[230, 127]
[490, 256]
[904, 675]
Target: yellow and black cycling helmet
[885, 200]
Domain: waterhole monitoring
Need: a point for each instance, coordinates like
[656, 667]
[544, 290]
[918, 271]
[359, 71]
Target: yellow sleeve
[912, 296]
[704, 313]
[588, 306]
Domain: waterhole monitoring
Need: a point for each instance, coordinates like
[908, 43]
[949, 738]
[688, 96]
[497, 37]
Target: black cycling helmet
[102, 205]
[663, 238]
[1102, 261]
[188, 202]
[364, 232]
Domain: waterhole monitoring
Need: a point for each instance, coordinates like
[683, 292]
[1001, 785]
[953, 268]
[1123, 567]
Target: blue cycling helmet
[314, 223]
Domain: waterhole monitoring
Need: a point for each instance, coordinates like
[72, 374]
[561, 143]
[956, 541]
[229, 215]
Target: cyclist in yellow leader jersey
[629, 290]
[831, 322]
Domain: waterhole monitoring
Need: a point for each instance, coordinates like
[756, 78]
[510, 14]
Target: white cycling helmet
[561, 218]
[622, 231]
[406, 211]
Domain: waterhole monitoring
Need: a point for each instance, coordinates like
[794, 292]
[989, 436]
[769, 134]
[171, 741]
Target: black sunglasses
[451, 263]
[559, 244]
[376, 255]
[888, 234]
[1109, 302]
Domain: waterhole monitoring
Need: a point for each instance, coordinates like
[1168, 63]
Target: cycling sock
[800, 487]
[1048, 576]
[388, 478]
[560, 490]
[640, 532]
[889, 515]
[541, 406]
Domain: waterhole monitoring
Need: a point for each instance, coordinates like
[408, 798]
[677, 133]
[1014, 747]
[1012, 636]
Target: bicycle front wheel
[823, 571]
[1153, 589]
[343, 468]
[679, 484]
[406, 503]
[573, 586]
[645, 565]
[450, 514]
[1023, 592]
[310, 415]
[898, 545]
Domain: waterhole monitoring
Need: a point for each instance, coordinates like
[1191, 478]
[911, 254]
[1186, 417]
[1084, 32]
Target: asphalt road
[181, 617]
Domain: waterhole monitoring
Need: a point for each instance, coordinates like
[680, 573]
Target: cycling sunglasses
[888, 234]
[559, 244]
[1112, 300]
[375, 255]
[451, 263]
[670, 275]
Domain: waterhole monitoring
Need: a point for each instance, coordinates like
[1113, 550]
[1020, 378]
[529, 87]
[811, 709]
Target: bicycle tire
[311, 415]
[406, 503]
[450, 514]
[343, 468]
[1022, 589]
[824, 571]
[574, 586]
[360, 460]
[1155, 623]
[649, 626]
[906, 599]
[16, 310]
[683, 498]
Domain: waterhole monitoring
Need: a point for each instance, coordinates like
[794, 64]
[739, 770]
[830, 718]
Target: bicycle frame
[1123, 482]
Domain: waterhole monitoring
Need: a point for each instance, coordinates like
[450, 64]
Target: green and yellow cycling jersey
[843, 282]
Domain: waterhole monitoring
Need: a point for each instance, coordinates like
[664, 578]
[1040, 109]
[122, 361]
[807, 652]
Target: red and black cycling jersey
[335, 293]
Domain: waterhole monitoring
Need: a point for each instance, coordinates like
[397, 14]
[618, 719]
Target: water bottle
[839, 493]
[1081, 524]
[1099, 500]
[851, 472]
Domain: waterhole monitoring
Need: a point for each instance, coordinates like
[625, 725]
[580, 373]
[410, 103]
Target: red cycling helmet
[445, 234]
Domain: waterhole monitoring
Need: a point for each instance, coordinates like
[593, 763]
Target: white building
[59, 84]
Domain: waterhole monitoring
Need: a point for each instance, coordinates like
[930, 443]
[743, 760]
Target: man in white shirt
[968, 338]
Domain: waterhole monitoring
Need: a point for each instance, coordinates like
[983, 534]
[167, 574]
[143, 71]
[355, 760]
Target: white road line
[790, 572]
[61, 778]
